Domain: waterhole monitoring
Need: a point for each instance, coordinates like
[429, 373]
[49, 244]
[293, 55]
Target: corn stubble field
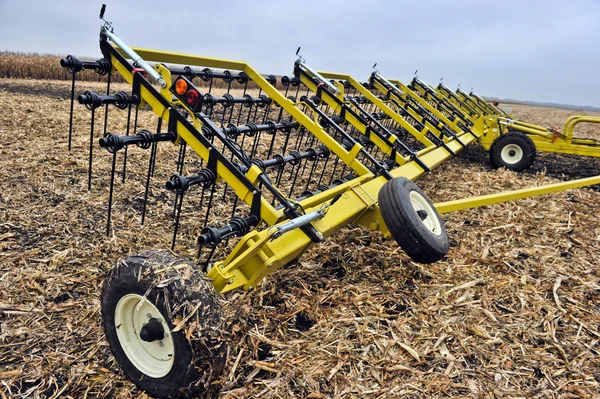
[512, 312]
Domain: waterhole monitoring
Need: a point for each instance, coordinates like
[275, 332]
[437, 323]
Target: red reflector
[192, 97]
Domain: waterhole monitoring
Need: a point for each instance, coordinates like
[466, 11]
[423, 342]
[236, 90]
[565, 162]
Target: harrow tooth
[110, 195]
[90, 156]
[106, 107]
[135, 122]
[128, 126]
[71, 111]
[74, 66]
[147, 186]
[154, 147]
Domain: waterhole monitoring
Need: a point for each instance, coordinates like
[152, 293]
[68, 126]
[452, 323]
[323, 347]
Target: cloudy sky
[527, 49]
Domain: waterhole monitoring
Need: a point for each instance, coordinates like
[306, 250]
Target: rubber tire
[406, 226]
[516, 138]
[199, 361]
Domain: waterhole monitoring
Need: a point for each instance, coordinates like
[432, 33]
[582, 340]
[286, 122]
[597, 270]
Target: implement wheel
[149, 303]
[514, 151]
[413, 221]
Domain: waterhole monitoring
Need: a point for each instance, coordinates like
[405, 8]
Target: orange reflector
[181, 87]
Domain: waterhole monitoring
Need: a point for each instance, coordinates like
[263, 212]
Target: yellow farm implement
[292, 160]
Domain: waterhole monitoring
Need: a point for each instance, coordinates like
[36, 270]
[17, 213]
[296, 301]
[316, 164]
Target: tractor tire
[413, 221]
[162, 319]
[514, 151]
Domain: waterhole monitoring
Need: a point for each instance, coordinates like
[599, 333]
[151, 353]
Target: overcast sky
[527, 49]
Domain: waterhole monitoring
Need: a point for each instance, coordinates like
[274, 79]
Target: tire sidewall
[405, 225]
[433, 241]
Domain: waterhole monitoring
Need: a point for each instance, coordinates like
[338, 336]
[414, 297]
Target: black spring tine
[297, 167]
[278, 180]
[285, 144]
[297, 92]
[180, 162]
[239, 118]
[323, 170]
[126, 134]
[299, 139]
[308, 146]
[91, 150]
[153, 157]
[255, 144]
[202, 197]
[110, 193]
[312, 139]
[247, 121]
[135, 122]
[271, 145]
[287, 137]
[235, 202]
[257, 136]
[155, 148]
[337, 160]
[181, 159]
[312, 171]
[71, 112]
[106, 108]
[210, 255]
[175, 206]
[180, 196]
[231, 109]
[343, 171]
[150, 162]
[210, 200]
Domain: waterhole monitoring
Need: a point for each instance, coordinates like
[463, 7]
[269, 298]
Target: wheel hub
[426, 213]
[512, 154]
[144, 335]
[152, 331]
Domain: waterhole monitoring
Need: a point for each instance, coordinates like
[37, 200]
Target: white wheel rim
[511, 154]
[155, 359]
[431, 221]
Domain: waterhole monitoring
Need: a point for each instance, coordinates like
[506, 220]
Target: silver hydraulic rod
[450, 91]
[300, 62]
[393, 86]
[298, 222]
[137, 60]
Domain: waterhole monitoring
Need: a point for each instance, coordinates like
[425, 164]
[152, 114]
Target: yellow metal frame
[545, 139]
[434, 96]
[408, 92]
[259, 253]
[330, 100]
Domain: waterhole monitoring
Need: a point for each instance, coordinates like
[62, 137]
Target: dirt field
[512, 312]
